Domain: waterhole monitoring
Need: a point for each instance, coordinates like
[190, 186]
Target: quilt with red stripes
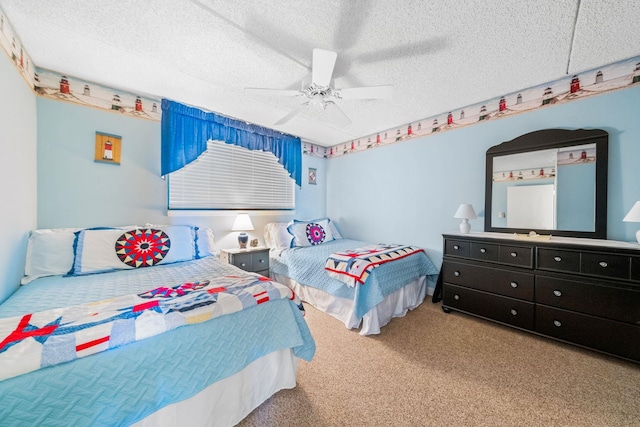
[354, 266]
[38, 340]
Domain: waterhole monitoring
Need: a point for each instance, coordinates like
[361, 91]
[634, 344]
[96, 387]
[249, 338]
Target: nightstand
[255, 260]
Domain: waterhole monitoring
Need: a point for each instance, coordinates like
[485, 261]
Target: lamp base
[243, 238]
[465, 227]
[638, 236]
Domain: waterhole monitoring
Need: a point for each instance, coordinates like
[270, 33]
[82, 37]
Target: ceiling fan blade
[365, 92]
[279, 92]
[323, 63]
[336, 115]
[291, 114]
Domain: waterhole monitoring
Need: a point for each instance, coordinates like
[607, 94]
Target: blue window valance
[186, 130]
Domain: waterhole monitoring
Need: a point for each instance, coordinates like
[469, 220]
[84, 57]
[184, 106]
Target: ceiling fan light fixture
[313, 89]
[317, 101]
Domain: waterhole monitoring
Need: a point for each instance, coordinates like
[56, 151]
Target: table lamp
[465, 212]
[242, 223]
[634, 216]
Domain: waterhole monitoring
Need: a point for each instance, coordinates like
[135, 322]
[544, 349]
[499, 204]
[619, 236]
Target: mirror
[551, 181]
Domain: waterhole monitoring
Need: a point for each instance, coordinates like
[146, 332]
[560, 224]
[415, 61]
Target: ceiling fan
[321, 96]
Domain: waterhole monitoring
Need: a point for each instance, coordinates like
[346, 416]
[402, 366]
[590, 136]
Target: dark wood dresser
[580, 291]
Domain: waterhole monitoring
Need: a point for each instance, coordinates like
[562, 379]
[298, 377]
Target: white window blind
[230, 177]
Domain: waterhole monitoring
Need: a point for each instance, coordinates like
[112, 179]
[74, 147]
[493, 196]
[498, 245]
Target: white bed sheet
[396, 304]
[228, 401]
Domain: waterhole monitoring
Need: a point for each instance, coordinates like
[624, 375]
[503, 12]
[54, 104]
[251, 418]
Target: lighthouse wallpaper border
[55, 85]
[107, 148]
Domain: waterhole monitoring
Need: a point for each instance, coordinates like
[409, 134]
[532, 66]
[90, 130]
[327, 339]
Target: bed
[299, 254]
[228, 357]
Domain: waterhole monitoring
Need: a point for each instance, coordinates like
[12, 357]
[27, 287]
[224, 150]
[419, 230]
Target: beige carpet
[435, 369]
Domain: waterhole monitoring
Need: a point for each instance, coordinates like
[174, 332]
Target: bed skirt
[394, 305]
[228, 401]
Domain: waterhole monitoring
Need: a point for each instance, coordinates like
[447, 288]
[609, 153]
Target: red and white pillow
[98, 251]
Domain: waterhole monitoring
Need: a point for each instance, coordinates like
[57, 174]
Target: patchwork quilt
[41, 339]
[354, 266]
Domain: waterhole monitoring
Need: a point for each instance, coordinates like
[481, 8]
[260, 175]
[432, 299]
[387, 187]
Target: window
[231, 177]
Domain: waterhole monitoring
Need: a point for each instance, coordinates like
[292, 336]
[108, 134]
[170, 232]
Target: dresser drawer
[260, 261]
[558, 260]
[499, 281]
[521, 256]
[456, 248]
[506, 310]
[635, 269]
[605, 265]
[601, 334]
[243, 261]
[590, 298]
[483, 251]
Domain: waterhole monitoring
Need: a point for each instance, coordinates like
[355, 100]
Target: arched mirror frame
[555, 138]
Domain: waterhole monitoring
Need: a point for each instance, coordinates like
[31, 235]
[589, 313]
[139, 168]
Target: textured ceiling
[439, 55]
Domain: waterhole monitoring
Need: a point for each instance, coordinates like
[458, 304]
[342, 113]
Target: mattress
[127, 384]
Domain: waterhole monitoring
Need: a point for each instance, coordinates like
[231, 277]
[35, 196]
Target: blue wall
[576, 209]
[408, 192]
[75, 191]
[17, 173]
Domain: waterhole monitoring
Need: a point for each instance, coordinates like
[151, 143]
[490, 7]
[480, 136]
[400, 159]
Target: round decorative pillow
[315, 233]
[142, 247]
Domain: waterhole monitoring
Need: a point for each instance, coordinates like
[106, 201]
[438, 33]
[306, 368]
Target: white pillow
[309, 233]
[205, 242]
[334, 230]
[98, 251]
[49, 253]
[276, 235]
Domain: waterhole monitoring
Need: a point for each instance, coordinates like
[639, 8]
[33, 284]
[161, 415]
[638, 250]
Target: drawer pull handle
[242, 264]
[557, 323]
[456, 247]
[483, 250]
[514, 254]
[557, 259]
[456, 273]
[514, 312]
[557, 293]
[261, 261]
[603, 264]
[514, 285]
[456, 297]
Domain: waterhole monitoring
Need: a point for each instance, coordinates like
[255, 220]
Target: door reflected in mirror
[545, 189]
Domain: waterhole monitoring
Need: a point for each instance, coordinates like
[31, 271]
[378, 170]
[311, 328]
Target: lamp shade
[465, 211]
[634, 214]
[242, 223]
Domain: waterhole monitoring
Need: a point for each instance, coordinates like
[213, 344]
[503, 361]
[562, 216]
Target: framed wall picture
[108, 148]
[312, 176]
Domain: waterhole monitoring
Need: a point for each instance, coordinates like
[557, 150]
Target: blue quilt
[306, 265]
[124, 385]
